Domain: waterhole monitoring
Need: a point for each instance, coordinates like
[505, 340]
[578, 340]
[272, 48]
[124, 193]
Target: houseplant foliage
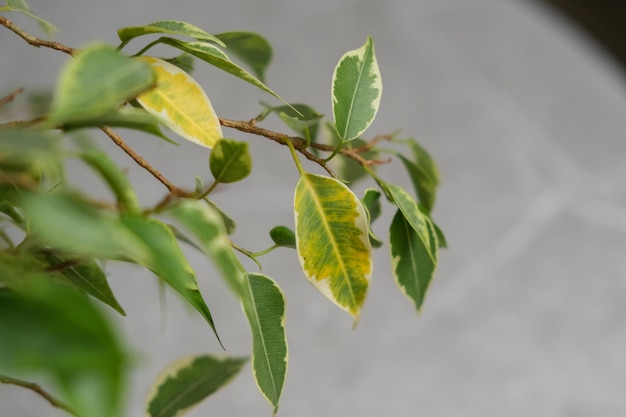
[55, 238]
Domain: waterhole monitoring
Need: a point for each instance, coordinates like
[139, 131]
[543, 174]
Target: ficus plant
[54, 238]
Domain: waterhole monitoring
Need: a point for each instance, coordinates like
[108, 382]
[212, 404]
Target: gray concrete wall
[526, 120]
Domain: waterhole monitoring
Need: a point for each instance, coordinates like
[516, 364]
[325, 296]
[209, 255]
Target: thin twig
[24, 123]
[38, 42]
[11, 96]
[298, 143]
[36, 388]
[301, 145]
[35, 41]
[143, 163]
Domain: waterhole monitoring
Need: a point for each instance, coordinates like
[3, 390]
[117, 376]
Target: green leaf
[412, 266]
[216, 57]
[181, 104]
[332, 240]
[424, 187]
[357, 88]
[115, 178]
[441, 238]
[206, 224]
[167, 261]
[34, 153]
[56, 331]
[251, 48]
[88, 277]
[230, 161]
[283, 236]
[170, 27]
[22, 7]
[8, 209]
[411, 212]
[183, 61]
[371, 203]
[303, 119]
[264, 306]
[422, 171]
[228, 221]
[261, 298]
[33, 144]
[96, 82]
[78, 228]
[424, 161]
[130, 118]
[181, 237]
[188, 381]
[18, 270]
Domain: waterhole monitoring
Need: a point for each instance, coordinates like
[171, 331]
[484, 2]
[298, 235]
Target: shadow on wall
[602, 20]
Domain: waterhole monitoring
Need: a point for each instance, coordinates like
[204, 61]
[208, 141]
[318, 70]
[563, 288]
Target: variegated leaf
[332, 240]
[188, 381]
[357, 89]
[264, 306]
[170, 27]
[412, 266]
[181, 104]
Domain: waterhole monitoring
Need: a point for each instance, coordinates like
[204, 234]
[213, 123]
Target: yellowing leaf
[181, 104]
[332, 240]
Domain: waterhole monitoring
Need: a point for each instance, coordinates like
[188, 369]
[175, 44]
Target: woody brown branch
[248, 127]
[301, 145]
[36, 388]
[33, 40]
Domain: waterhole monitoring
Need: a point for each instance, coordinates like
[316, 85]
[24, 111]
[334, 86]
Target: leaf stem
[294, 155]
[36, 388]
[208, 190]
[247, 253]
[335, 152]
[265, 251]
[147, 47]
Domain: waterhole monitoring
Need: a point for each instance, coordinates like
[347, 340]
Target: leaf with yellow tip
[181, 104]
[332, 240]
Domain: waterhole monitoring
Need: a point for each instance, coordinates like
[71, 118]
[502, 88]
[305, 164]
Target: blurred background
[523, 110]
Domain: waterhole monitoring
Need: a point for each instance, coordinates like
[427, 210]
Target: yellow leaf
[332, 240]
[181, 104]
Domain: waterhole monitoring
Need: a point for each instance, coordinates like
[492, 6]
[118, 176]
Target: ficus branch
[36, 388]
[299, 144]
[10, 97]
[33, 40]
[173, 189]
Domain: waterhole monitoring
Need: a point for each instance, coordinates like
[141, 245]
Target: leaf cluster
[56, 239]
